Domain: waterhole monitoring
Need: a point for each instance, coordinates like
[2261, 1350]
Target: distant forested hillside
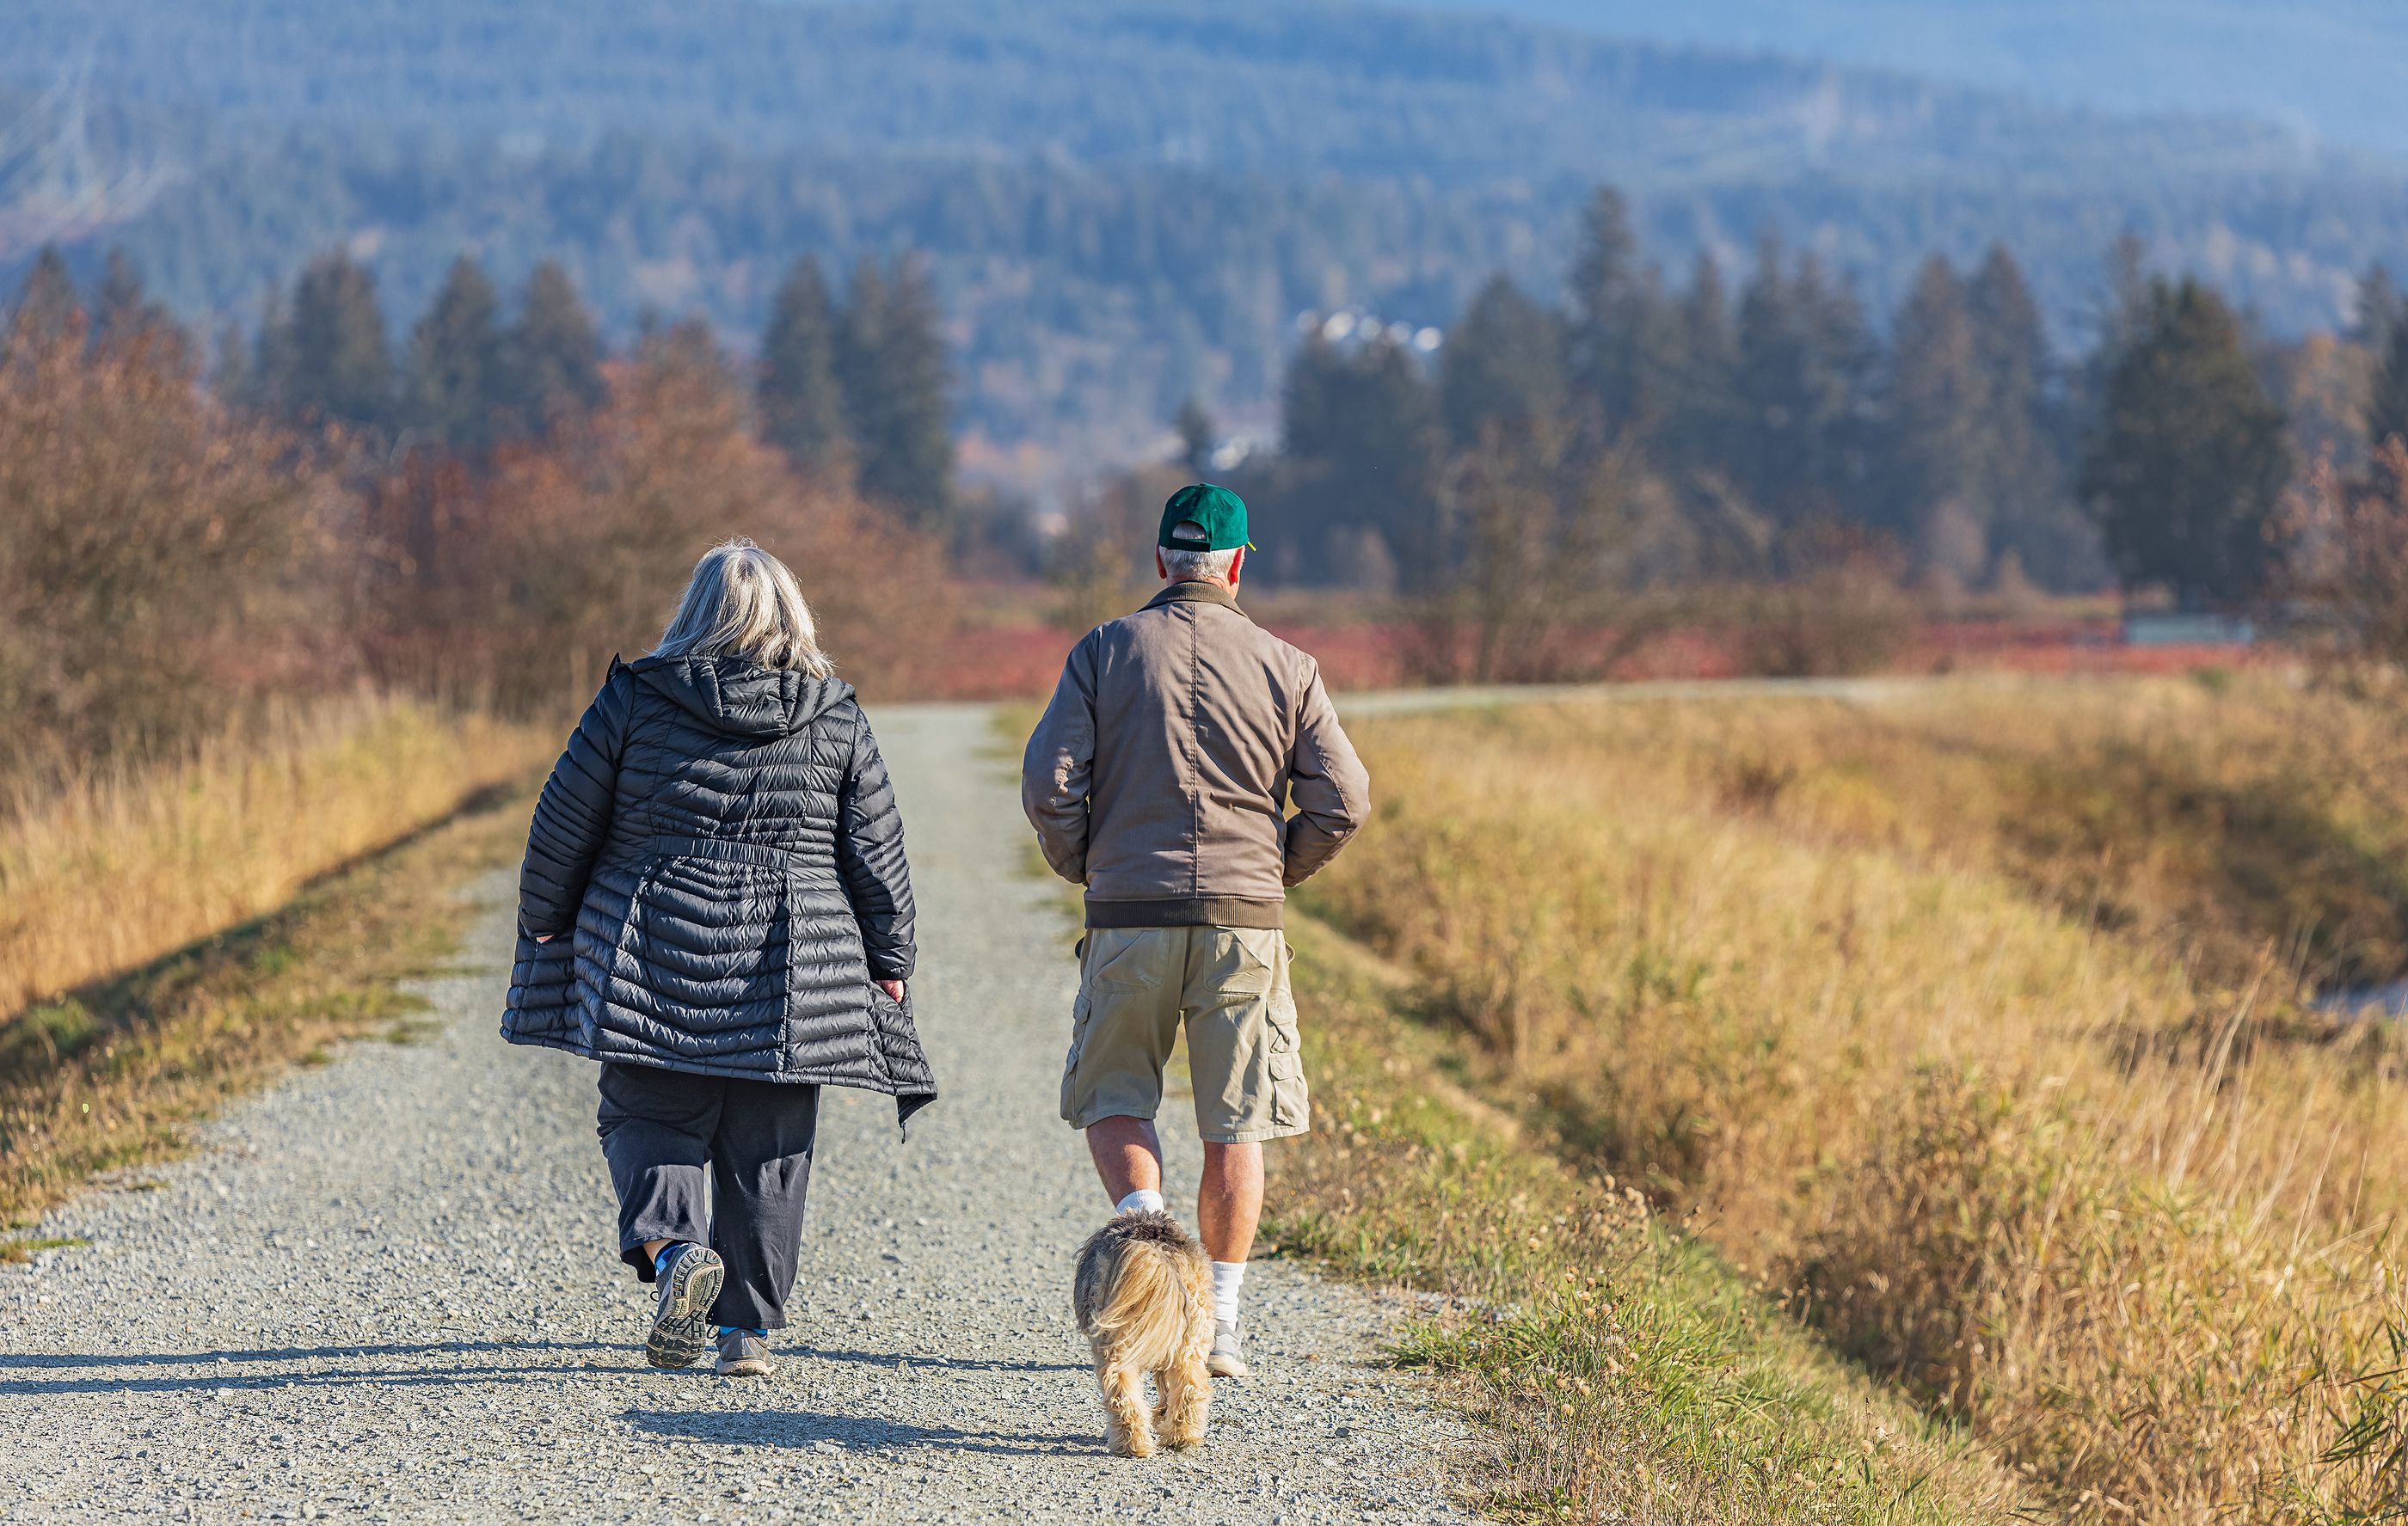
[1122, 204]
[2330, 67]
[1252, 86]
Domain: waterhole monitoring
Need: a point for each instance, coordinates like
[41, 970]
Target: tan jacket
[1162, 773]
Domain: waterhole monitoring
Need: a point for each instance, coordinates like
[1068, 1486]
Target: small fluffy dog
[1143, 1297]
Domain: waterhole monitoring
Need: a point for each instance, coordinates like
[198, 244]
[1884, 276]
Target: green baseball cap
[1221, 512]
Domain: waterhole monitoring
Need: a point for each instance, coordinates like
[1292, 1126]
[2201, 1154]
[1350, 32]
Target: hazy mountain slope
[1125, 202]
[1292, 86]
[2330, 67]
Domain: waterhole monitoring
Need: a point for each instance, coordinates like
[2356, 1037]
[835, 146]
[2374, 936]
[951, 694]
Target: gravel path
[386, 1290]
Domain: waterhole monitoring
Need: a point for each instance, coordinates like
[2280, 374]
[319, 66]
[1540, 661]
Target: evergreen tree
[2189, 454]
[126, 314]
[1805, 359]
[801, 407]
[1704, 408]
[554, 352]
[2387, 402]
[891, 366]
[270, 372]
[1363, 433]
[1940, 415]
[47, 307]
[2375, 309]
[2026, 467]
[1197, 436]
[1621, 337]
[458, 382]
[1503, 365]
[327, 360]
[2122, 310]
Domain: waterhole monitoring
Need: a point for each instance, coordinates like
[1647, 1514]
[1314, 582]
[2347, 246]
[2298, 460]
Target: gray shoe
[681, 1319]
[743, 1354]
[1227, 1359]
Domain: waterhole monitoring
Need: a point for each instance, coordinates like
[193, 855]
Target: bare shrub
[1843, 612]
[152, 548]
[523, 583]
[1533, 553]
[1100, 565]
[2346, 554]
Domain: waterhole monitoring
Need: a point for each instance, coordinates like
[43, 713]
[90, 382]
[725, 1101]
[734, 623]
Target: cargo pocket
[1252, 965]
[1291, 1104]
[1080, 1012]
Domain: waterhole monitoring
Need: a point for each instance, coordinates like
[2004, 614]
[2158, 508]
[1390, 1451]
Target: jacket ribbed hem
[1186, 911]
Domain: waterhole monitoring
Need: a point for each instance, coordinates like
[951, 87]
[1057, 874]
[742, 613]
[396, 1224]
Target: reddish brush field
[1019, 661]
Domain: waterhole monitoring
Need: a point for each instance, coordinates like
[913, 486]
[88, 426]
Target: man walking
[1188, 771]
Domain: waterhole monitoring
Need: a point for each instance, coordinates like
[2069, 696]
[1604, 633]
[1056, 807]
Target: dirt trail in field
[386, 1289]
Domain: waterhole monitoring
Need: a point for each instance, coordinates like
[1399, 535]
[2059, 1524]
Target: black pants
[664, 1132]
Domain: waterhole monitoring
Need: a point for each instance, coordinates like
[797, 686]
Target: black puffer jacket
[722, 842]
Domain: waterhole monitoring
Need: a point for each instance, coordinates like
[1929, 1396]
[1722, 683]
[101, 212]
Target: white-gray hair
[742, 601]
[1197, 567]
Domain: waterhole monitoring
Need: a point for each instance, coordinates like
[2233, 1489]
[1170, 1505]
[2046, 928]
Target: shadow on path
[291, 1353]
[855, 1432]
[938, 1362]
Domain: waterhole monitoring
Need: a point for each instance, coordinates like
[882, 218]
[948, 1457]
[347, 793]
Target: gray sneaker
[1227, 1359]
[681, 1319]
[743, 1354]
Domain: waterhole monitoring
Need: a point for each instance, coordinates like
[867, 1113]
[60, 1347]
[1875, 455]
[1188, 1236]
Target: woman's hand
[893, 990]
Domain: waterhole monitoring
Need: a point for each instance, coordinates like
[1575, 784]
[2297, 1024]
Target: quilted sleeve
[869, 855]
[573, 817]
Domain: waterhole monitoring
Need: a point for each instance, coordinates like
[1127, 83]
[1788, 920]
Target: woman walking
[715, 906]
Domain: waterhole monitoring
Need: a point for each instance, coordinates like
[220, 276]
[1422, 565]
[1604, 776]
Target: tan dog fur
[1143, 1298]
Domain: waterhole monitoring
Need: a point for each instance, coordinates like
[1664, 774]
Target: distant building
[2173, 628]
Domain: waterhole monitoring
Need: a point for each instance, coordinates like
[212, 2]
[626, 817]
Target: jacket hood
[737, 696]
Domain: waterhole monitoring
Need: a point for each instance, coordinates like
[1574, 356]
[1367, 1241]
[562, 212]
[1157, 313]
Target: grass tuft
[22, 1249]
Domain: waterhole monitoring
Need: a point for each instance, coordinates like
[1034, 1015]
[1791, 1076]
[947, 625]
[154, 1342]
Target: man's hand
[893, 990]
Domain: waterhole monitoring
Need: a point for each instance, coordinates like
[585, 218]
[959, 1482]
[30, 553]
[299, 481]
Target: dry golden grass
[1969, 1022]
[110, 873]
[1621, 1371]
[121, 1066]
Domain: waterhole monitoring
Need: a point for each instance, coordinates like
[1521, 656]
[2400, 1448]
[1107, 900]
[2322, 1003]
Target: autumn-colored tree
[148, 543]
[523, 584]
[2346, 553]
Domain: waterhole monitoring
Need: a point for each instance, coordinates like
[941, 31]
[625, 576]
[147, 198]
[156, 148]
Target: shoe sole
[1221, 1367]
[682, 1324]
[749, 1367]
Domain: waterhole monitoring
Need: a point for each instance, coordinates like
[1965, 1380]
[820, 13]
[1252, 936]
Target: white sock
[1228, 1276]
[1144, 1200]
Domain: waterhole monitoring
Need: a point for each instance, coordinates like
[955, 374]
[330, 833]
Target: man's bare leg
[1230, 1203]
[1128, 1156]
[1227, 1207]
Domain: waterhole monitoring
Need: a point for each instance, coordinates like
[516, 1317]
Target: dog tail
[1152, 1300]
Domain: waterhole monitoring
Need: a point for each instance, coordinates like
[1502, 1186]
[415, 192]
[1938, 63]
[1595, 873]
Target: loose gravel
[386, 1289]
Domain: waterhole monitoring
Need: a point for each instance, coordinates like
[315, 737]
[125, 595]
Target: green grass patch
[25, 1248]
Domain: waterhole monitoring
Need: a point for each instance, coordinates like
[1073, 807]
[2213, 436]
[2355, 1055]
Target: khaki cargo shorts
[1231, 985]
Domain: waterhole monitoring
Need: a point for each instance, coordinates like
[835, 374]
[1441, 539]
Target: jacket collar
[1195, 591]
